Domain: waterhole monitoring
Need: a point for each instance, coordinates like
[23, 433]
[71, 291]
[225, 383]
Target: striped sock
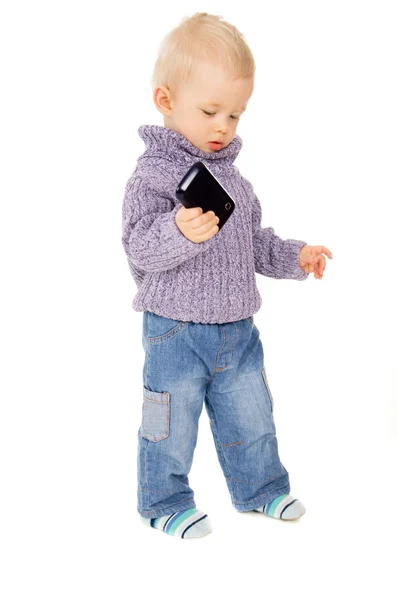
[283, 507]
[190, 523]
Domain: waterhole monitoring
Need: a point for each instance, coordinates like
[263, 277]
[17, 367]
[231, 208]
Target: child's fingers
[187, 214]
[201, 220]
[323, 250]
[204, 228]
[320, 267]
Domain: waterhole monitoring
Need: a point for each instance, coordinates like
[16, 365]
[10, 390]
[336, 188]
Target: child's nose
[222, 125]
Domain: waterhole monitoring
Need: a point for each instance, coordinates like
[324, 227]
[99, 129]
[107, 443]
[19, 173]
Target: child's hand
[196, 226]
[312, 260]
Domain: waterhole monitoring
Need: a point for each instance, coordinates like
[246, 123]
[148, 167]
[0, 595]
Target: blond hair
[205, 37]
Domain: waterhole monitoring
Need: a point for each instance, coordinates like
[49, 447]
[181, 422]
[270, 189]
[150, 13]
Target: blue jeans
[187, 363]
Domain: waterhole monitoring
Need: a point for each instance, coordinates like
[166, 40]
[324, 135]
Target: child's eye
[209, 114]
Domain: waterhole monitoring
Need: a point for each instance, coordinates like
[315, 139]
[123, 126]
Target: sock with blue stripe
[283, 507]
[190, 523]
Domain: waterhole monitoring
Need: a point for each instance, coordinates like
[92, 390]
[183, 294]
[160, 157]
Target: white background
[320, 147]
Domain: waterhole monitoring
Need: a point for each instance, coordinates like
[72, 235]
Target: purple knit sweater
[208, 282]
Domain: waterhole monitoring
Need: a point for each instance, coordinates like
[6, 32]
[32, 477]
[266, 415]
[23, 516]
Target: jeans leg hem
[161, 512]
[261, 500]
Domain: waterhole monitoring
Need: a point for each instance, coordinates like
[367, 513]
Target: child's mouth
[215, 145]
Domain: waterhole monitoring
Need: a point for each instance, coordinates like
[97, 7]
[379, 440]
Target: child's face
[208, 84]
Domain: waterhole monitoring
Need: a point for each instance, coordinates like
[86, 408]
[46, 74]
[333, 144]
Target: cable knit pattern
[213, 281]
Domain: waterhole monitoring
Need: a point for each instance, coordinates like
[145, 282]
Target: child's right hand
[196, 225]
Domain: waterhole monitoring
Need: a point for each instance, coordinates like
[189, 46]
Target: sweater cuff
[291, 254]
[163, 246]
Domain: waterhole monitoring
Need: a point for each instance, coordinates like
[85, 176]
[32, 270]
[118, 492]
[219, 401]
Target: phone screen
[199, 187]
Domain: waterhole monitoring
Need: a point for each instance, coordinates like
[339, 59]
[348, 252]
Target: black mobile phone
[199, 187]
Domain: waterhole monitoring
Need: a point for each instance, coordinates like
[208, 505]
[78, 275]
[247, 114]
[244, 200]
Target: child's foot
[283, 507]
[190, 523]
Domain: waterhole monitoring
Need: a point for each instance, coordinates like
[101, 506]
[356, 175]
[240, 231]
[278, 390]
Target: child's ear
[161, 99]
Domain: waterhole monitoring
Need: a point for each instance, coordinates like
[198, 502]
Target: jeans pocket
[161, 329]
[155, 415]
[268, 390]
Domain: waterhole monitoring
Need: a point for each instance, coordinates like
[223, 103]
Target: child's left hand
[311, 259]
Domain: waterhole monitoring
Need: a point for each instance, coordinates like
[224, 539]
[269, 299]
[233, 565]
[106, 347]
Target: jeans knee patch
[155, 415]
[268, 390]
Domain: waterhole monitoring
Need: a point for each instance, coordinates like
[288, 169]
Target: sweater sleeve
[150, 235]
[273, 256]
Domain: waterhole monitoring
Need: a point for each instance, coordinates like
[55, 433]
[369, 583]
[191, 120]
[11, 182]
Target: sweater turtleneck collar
[165, 142]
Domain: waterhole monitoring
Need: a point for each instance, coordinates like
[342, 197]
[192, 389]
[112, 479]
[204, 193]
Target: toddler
[197, 288]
